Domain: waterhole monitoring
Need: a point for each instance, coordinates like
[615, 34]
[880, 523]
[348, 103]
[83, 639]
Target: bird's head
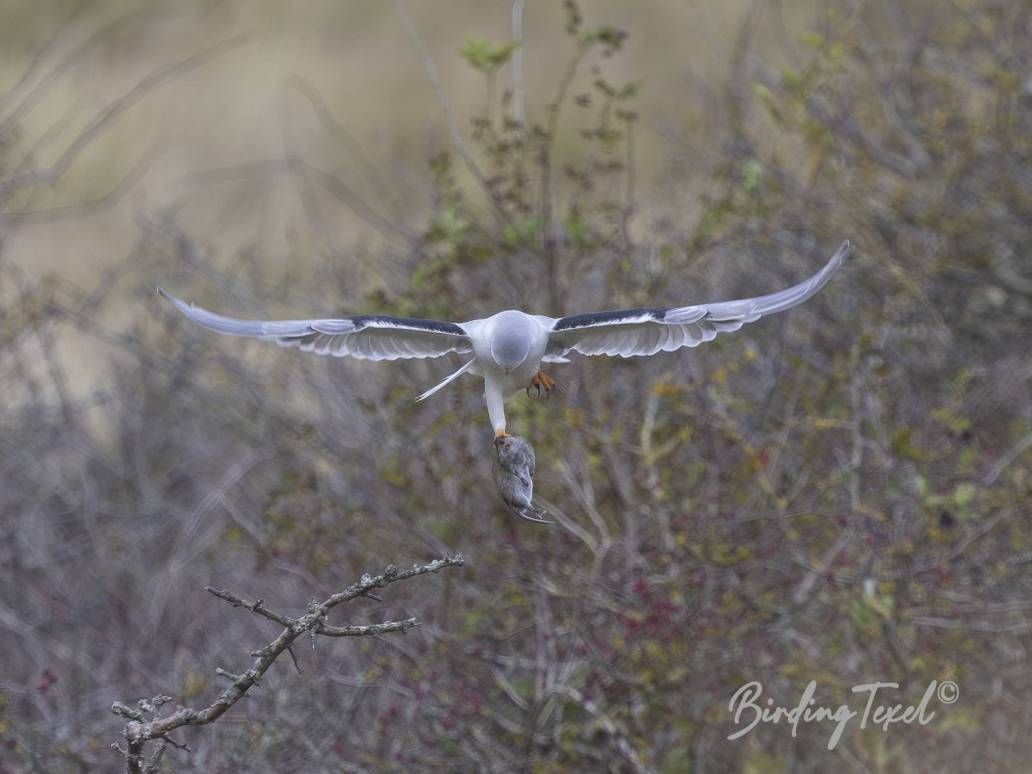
[510, 340]
[503, 442]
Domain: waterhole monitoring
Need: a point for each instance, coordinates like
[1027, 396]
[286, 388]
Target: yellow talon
[541, 381]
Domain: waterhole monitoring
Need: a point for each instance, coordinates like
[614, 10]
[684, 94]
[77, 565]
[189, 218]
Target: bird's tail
[447, 381]
[532, 513]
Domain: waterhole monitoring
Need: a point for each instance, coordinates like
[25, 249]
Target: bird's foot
[542, 383]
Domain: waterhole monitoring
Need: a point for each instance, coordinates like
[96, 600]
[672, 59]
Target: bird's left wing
[635, 332]
[366, 337]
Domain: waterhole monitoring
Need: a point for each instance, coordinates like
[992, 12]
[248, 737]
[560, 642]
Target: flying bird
[507, 349]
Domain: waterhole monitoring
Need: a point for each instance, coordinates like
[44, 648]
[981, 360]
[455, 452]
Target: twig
[550, 239]
[293, 658]
[606, 725]
[365, 631]
[295, 166]
[70, 60]
[256, 607]
[112, 111]
[957, 551]
[1023, 445]
[449, 114]
[518, 94]
[341, 135]
[112, 197]
[40, 55]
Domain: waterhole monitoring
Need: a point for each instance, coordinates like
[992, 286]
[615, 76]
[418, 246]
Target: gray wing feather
[366, 337]
[638, 332]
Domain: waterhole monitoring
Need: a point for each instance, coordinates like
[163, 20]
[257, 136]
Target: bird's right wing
[366, 337]
[635, 332]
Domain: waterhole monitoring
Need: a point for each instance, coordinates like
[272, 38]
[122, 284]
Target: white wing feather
[639, 332]
[366, 337]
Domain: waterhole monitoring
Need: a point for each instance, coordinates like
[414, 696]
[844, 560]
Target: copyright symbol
[948, 692]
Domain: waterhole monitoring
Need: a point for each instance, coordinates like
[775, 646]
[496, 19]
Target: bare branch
[442, 97]
[113, 110]
[68, 62]
[140, 730]
[109, 199]
[255, 607]
[336, 130]
[127, 712]
[295, 166]
[365, 631]
[1012, 454]
[39, 57]
[518, 91]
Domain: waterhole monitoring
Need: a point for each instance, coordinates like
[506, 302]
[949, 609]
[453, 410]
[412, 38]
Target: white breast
[508, 328]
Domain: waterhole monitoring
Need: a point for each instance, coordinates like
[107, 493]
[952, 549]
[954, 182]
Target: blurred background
[838, 494]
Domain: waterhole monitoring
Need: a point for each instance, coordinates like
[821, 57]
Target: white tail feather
[447, 380]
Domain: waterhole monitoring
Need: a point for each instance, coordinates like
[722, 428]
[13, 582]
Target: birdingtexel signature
[748, 710]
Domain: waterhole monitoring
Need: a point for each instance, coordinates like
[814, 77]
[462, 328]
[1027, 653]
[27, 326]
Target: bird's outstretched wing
[635, 332]
[366, 337]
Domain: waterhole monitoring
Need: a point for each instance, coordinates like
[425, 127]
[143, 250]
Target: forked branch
[145, 725]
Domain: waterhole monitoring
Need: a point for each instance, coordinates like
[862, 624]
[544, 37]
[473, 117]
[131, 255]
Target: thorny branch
[144, 725]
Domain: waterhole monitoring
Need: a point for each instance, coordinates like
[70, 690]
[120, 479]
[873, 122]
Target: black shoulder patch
[362, 320]
[600, 318]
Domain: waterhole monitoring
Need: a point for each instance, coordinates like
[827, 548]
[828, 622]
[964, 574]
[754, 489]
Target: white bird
[508, 348]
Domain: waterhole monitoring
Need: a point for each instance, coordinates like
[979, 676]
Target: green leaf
[752, 170]
[964, 494]
[610, 37]
[484, 56]
[903, 445]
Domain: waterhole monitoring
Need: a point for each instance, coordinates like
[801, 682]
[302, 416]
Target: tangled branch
[144, 724]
